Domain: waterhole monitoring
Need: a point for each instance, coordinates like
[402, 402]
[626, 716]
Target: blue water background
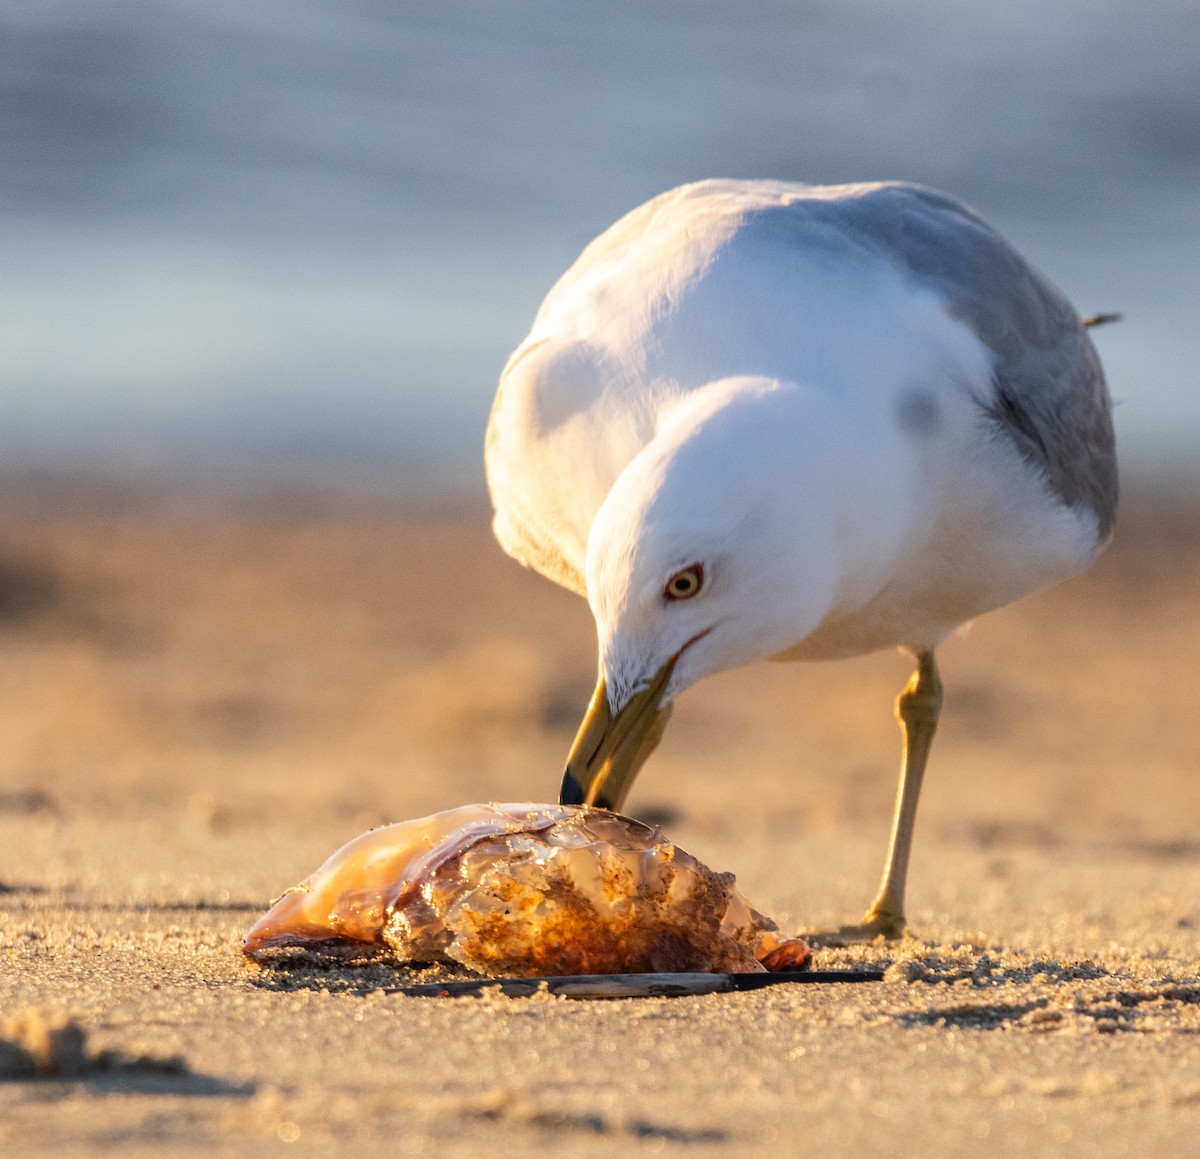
[291, 235]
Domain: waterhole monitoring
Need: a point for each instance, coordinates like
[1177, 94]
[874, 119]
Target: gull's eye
[684, 584]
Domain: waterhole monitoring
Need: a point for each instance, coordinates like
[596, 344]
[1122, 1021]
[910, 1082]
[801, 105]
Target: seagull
[766, 420]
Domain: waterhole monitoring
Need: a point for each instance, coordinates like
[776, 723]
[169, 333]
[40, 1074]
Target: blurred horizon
[304, 237]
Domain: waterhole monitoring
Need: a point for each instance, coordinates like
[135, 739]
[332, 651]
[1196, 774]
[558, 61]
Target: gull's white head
[714, 548]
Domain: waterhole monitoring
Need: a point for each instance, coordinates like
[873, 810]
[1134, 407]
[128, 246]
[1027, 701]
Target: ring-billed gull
[766, 420]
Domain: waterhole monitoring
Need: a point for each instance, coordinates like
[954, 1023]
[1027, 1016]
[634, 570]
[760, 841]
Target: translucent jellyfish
[528, 890]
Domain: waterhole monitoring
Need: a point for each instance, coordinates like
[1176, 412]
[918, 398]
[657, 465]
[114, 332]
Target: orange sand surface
[201, 697]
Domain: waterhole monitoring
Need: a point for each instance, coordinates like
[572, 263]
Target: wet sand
[200, 698]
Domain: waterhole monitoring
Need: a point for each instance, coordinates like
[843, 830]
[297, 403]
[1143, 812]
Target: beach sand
[201, 697]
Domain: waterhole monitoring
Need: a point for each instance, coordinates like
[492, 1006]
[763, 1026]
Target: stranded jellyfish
[530, 890]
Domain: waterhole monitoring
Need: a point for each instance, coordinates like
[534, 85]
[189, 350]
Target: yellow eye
[684, 584]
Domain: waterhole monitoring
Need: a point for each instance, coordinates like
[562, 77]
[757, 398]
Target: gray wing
[1050, 397]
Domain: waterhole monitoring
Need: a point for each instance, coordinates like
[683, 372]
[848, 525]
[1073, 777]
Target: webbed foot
[875, 924]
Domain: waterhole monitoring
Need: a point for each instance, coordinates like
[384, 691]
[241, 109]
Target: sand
[202, 696]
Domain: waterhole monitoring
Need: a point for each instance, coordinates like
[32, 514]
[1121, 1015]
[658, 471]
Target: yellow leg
[917, 710]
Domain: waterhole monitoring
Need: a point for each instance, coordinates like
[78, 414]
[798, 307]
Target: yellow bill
[610, 749]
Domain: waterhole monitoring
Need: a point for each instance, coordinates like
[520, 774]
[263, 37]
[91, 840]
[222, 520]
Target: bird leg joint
[921, 701]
